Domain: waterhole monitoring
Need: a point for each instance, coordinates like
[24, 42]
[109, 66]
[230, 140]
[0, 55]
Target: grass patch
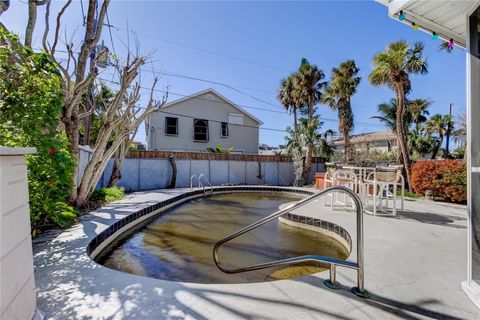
[107, 195]
[408, 194]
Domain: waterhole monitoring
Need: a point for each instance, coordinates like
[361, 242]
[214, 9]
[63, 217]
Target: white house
[457, 22]
[383, 141]
[200, 121]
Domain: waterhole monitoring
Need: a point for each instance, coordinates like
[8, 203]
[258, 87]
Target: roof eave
[426, 25]
[211, 90]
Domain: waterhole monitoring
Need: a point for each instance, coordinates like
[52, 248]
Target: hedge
[445, 178]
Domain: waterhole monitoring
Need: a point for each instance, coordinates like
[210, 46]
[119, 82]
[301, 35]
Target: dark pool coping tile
[114, 227]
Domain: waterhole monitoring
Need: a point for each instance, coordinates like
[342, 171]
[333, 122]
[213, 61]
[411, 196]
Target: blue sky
[259, 43]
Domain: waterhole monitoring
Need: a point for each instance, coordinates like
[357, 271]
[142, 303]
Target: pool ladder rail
[202, 185]
[331, 283]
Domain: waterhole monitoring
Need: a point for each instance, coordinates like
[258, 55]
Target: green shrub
[31, 98]
[108, 194]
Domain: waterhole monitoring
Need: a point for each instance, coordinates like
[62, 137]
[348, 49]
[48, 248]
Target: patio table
[361, 173]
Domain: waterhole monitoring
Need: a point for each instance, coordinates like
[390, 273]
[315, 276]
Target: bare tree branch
[32, 19]
[57, 27]
[47, 26]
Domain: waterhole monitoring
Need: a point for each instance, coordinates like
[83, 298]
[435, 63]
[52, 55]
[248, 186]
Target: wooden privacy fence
[212, 156]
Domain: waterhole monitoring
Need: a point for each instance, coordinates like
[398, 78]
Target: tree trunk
[71, 131]
[310, 112]
[308, 165]
[116, 171]
[295, 120]
[402, 152]
[346, 143]
[437, 148]
[32, 19]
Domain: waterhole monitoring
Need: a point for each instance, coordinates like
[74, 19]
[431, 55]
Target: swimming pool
[177, 245]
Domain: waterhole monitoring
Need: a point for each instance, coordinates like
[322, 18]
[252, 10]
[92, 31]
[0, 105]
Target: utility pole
[449, 128]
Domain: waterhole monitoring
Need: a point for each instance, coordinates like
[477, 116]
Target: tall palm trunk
[437, 147]
[307, 164]
[402, 153]
[346, 143]
[309, 155]
[295, 120]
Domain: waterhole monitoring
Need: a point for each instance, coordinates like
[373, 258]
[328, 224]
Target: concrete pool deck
[414, 264]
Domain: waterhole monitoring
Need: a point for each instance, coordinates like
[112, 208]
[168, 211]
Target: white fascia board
[396, 6]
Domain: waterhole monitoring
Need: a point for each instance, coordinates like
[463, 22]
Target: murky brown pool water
[177, 245]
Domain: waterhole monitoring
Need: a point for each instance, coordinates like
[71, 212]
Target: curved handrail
[331, 261]
[201, 185]
[191, 180]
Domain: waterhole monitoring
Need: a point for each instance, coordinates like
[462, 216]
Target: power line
[230, 86]
[177, 75]
[243, 106]
[200, 98]
[205, 50]
[110, 33]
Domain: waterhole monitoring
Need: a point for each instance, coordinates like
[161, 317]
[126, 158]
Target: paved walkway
[414, 265]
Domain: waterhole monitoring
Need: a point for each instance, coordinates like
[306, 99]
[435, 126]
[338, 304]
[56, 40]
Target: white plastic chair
[340, 177]
[377, 187]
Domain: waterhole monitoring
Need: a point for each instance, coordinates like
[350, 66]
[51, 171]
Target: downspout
[171, 159]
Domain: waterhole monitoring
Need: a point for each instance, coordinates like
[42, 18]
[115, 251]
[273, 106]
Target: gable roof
[210, 90]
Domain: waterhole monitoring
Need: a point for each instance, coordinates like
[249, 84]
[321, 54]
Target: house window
[224, 129]
[171, 125]
[200, 132]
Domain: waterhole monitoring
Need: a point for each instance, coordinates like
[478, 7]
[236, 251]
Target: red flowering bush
[445, 178]
[31, 98]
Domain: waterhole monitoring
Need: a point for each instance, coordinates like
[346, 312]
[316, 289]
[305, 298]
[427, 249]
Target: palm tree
[296, 147]
[440, 125]
[343, 85]
[417, 111]
[392, 68]
[420, 142]
[415, 114]
[299, 142]
[308, 92]
[309, 87]
[324, 149]
[287, 98]
[388, 114]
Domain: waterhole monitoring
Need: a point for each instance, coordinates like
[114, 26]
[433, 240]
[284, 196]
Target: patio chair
[336, 176]
[377, 188]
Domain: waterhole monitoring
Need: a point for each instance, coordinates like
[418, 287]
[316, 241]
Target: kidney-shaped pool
[178, 244]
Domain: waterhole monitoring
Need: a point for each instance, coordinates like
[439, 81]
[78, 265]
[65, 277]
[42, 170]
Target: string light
[451, 44]
[435, 36]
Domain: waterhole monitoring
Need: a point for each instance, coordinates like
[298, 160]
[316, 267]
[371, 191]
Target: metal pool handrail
[333, 262]
[191, 180]
[201, 185]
